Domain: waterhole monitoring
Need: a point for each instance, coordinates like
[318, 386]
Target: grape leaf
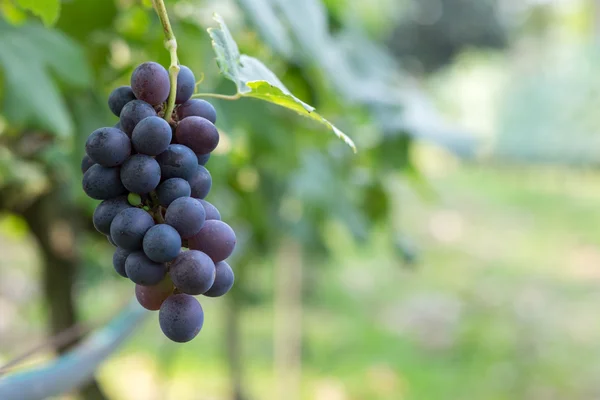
[47, 10]
[30, 56]
[254, 79]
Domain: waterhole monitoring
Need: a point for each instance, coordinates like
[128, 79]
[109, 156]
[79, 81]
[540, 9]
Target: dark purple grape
[150, 83]
[216, 239]
[140, 174]
[102, 183]
[129, 227]
[223, 281]
[186, 215]
[181, 317]
[86, 163]
[203, 158]
[210, 210]
[118, 98]
[119, 258]
[200, 182]
[197, 108]
[152, 297]
[108, 147]
[186, 83]
[172, 189]
[197, 133]
[177, 161]
[106, 211]
[143, 271]
[133, 113]
[193, 272]
[111, 241]
[151, 136]
[162, 243]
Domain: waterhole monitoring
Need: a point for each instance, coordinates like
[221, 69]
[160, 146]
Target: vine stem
[171, 46]
[218, 96]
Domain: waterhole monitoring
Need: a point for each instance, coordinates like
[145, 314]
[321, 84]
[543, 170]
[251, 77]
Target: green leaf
[254, 79]
[47, 10]
[30, 56]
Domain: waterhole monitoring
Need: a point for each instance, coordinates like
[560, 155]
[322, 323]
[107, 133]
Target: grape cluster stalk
[149, 171]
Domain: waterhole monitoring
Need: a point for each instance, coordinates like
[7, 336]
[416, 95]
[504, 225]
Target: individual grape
[193, 272]
[210, 210]
[118, 98]
[140, 174]
[119, 258]
[151, 136]
[111, 241]
[150, 83]
[186, 215]
[108, 147]
[106, 211]
[197, 133]
[223, 281]
[86, 163]
[129, 227]
[162, 243]
[200, 182]
[152, 297]
[172, 189]
[203, 158]
[181, 317]
[177, 161]
[216, 239]
[133, 113]
[197, 108]
[186, 83]
[102, 183]
[143, 271]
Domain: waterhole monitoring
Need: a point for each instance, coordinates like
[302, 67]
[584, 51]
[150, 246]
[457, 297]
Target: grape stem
[171, 46]
[236, 96]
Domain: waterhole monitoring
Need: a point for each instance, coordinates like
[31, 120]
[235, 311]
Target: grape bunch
[151, 178]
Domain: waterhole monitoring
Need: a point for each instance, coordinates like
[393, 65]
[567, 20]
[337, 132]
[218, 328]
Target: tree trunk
[233, 347]
[288, 321]
[53, 222]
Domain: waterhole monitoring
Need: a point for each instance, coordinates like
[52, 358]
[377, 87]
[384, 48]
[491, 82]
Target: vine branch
[218, 96]
[171, 46]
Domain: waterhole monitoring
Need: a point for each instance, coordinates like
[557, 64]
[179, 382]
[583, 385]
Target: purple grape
[223, 281]
[186, 83]
[129, 227]
[193, 272]
[102, 183]
[181, 317]
[150, 83]
[106, 212]
[197, 133]
[178, 161]
[140, 174]
[172, 189]
[203, 158]
[186, 215]
[118, 98]
[119, 258]
[200, 182]
[197, 108]
[210, 211]
[86, 163]
[162, 243]
[143, 271]
[133, 113]
[152, 297]
[216, 239]
[151, 136]
[108, 147]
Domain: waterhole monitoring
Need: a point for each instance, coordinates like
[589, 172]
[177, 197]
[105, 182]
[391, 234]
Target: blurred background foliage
[455, 256]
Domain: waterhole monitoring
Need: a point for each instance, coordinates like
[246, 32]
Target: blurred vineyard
[454, 256]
